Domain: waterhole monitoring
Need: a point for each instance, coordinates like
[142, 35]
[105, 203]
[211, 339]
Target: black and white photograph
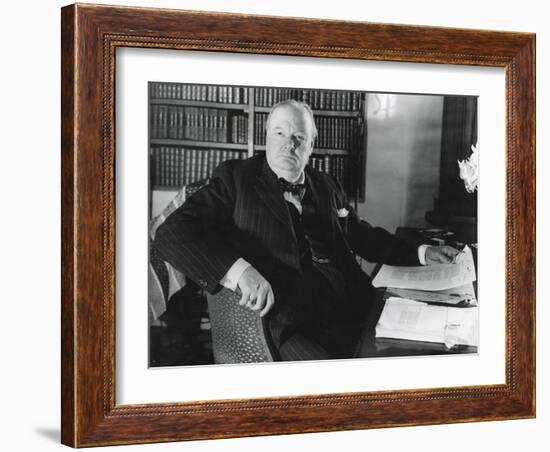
[297, 224]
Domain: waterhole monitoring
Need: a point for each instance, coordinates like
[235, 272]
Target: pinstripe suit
[242, 213]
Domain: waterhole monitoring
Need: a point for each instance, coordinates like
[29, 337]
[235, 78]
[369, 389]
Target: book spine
[202, 124]
[176, 161]
[244, 132]
[209, 125]
[205, 159]
[327, 160]
[193, 165]
[183, 152]
[187, 166]
[160, 119]
[211, 162]
[171, 122]
[234, 129]
[171, 163]
[224, 126]
[181, 123]
[156, 160]
[215, 126]
[193, 122]
[162, 166]
[154, 121]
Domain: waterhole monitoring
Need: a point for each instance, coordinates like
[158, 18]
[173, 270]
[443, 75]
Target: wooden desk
[369, 346]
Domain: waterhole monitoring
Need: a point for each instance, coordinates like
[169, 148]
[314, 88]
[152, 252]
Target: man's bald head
[305, 108]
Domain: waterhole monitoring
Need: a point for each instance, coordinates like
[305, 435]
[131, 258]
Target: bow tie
[295, 189]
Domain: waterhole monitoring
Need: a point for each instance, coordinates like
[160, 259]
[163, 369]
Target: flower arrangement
[469, 171]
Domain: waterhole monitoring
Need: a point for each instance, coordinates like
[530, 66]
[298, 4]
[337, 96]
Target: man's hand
[441, 254]
[256, 291]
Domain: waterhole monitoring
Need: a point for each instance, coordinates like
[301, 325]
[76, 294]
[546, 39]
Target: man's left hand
[441, 254]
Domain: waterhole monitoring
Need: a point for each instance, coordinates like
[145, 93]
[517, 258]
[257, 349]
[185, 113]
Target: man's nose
[293, 143]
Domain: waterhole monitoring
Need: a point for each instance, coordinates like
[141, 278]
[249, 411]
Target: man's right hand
[256, 291]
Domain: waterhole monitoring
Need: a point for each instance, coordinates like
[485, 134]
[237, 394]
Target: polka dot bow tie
[295, 189]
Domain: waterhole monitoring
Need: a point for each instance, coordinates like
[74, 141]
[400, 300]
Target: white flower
[342, 213]
[469, 171]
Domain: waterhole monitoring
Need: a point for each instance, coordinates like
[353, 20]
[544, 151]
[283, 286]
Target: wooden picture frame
[90, 36]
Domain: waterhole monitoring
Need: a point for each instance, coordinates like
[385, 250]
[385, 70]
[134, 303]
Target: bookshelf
[194, 127]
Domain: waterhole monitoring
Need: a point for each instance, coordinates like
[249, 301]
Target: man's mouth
[289, 157]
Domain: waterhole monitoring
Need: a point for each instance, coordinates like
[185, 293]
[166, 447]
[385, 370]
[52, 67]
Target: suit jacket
[242, 213]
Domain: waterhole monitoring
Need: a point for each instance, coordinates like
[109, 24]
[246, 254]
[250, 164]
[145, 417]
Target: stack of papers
[434, 303]
[417, 321]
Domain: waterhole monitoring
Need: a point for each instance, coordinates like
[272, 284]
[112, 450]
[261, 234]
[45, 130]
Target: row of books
[211, 124]
[336, 133]
[200, 124]
[259, 128]
[317, 99]
[173, 166]
[239, 129]
[332, 133]
[267, 97]
[335, 165]
[203, 93]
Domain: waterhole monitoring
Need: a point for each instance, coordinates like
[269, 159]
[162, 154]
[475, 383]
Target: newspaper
[429, 277]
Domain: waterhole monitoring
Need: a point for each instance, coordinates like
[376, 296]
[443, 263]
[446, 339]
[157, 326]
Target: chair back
[238, 334]
[157, 298]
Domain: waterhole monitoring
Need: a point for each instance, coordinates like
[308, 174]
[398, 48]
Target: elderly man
[283, 234]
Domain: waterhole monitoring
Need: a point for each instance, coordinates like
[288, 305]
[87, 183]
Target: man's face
[289, 141]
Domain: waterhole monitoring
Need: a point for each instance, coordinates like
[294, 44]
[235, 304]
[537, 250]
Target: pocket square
[342, 213]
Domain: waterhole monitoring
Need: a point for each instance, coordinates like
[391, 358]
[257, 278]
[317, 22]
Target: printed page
[408, 319]
[413, 320]
[429, 277]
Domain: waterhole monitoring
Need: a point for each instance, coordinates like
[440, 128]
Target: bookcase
[194, 127]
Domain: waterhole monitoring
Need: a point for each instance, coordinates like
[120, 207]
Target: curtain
[459, 133]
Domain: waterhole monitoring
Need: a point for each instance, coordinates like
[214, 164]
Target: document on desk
[413, 320]
[461, 295]
[429, 277]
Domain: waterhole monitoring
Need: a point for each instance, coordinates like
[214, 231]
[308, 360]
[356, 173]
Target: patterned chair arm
[238, 334]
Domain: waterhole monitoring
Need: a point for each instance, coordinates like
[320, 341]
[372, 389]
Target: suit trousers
[325, 325]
